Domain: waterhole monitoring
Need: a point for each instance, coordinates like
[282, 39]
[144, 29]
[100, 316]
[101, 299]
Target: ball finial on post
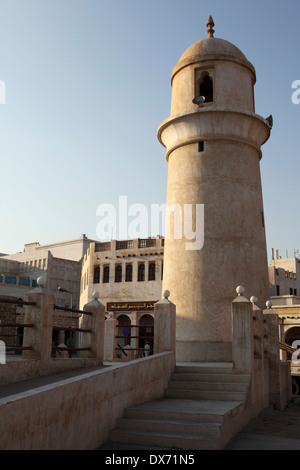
[95, 295]
[240, 290]
[41, 281]
[166, 294]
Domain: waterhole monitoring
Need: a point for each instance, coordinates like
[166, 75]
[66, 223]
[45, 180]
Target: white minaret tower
[213, 140]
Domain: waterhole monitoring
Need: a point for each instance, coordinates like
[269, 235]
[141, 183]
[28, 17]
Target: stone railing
[40, 356]
[99, 397]
[255, 349]
[94, 338]
[10, 326]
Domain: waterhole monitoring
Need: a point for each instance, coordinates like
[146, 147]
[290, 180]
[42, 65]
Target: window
[96, 274]
[24, 281]
[124, 245]
[151, 273]
[128, 277]
[291, 291]
[106, 246]
[295, 291]
[141, 272]
[118, 273]
[201, 146]
[106, 274]
[277, 290]
[206, 88]
[10, 280]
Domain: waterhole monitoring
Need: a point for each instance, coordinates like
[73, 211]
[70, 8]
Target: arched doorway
[146, 332]
[124, 331]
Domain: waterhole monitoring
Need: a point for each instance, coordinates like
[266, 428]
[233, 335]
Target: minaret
[213, 140]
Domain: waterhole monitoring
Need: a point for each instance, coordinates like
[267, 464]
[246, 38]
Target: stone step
[109, 446]
[170, 427]
[220, 395]
[169, 440]
[181, 410]
[190, 415]
[202, 368]
[197, 385]
[206, 377]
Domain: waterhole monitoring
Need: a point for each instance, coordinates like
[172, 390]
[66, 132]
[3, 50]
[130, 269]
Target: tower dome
[216, 69]
[212, 49]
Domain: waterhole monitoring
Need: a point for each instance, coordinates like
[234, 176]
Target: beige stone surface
[271, 430]
[164, 326]
[78, 413]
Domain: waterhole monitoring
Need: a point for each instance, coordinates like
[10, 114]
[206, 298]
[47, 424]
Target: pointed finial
[210, 24]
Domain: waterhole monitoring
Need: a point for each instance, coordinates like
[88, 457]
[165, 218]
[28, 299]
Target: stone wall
[79, 413]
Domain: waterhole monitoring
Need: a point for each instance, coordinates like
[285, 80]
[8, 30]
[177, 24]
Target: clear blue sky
[87, 85]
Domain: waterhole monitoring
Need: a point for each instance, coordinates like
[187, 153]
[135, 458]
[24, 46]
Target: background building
[59, 262]
[284, 277]
[128, 275]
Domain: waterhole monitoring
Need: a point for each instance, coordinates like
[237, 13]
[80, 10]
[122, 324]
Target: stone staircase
[200, 410]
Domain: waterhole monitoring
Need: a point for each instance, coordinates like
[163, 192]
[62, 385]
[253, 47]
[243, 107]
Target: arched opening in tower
[206, 88]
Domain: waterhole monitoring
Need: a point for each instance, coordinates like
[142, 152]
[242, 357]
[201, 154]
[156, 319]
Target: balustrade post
[164, 325]
[272, 351]
[41, 316]
[94, 322]
[258, 329]
[110, 340]
[242, 333]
